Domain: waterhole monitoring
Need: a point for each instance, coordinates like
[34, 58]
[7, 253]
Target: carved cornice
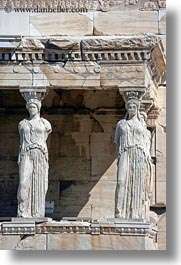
[89, 5]
[93, 62]
[124, 50]
[146, 41]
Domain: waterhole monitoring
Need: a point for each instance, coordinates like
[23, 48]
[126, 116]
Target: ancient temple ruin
[86, 68]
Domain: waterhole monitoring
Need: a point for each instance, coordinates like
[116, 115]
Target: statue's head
[33, 106]
[133, 101]
[132, 107]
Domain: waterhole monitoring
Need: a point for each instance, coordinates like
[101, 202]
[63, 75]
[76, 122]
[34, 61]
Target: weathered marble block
[101, 145]
[162, 21]
[162, 232]
[75, 75]
[75, 144]
[11, 23]
[60, 168]
[12, 139]
[15, 75]
[98, 242]
[13, 242]
[122, 76]
[125, 22]
[61, 24]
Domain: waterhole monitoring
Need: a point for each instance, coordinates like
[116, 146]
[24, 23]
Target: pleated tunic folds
[33, 167]
[134, 170]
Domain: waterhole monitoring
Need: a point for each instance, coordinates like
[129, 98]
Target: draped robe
[134, 174]
[33, 167]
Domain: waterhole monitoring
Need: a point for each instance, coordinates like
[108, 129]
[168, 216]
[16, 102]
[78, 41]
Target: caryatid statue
[33, 158]
[134, 166]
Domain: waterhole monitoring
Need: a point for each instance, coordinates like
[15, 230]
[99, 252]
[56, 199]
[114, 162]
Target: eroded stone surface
[162, 22]
[122, 76]
[11, 23]
[162, 232]
[96, 242]
[161, 148]
[125, 22]
[64, 24]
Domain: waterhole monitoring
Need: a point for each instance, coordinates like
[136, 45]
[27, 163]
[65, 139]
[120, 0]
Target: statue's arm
[117, 138]
[149, 163]
[148, 144]
[20, 125]
[47, 125]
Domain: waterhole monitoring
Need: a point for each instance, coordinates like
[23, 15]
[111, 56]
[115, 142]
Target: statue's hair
[34, 101]
[137, 102]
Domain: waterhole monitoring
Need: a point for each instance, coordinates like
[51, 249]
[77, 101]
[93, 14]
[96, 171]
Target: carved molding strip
[23, 228]
[133, 56]
[98, 228]
[89, 5]
[61, 56]
[76, 227]
[123, 49]
[18, 228]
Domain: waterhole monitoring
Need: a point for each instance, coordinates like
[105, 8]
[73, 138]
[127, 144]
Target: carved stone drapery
[33, 156]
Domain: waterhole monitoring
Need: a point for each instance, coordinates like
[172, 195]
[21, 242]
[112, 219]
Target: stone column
[33, 156]
[134, 171]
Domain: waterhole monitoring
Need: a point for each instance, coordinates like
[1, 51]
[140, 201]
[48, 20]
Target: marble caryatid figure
[134, 167]
[33, 162]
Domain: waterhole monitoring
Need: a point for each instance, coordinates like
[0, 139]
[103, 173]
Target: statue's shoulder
[47, 124]
[121, 122]
[45, 121]
[22, 123]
